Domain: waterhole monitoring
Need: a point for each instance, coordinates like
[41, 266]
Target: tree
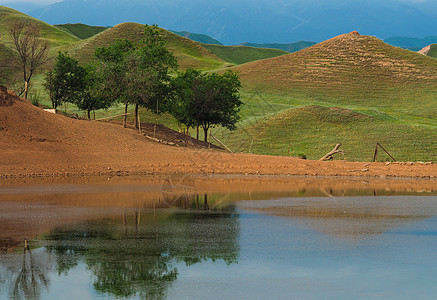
[136, 74]
[52, 88]
[31, 51]
[87, 99]
[70, 82]
[181, 104]
[207, 100]
[66, 81]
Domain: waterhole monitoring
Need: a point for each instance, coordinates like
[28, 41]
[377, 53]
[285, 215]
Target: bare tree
[31, 51]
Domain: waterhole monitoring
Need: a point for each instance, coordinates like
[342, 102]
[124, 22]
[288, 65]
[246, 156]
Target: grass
[189, 54]
[243, 54]
[55, 36]
[291, 47]
[314, 130]
[433, 51]
[81, 31]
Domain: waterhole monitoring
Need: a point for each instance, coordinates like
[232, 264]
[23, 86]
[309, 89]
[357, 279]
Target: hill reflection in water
[182, 237]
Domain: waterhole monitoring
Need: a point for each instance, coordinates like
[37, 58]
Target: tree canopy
[136, 74]
[207, 100]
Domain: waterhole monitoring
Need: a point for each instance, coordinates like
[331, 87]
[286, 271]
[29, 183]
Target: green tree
[181, 104]
[67, 81]
[70, 82]
[137, 74]
[207, 100]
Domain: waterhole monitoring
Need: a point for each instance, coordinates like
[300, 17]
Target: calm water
[173, 239]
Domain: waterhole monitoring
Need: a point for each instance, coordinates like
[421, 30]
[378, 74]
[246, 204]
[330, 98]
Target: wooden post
[375, 155]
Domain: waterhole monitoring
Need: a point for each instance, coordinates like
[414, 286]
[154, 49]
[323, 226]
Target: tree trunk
[89, 114]
[136, 116]
[26, 89]
[205, 131]
[125, 114]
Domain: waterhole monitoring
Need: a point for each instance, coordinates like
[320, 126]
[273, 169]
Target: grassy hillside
[190, 54]
[291, 47]
[242, 54]
[81, 31]
[55, 36]
[352, 89]
[432, 51]
[200, 38]
[314, 130]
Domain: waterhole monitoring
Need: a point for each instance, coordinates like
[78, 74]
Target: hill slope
[350, 69]
[59, 145]
[55, 36]
[390, 91]
[430, 50]
[200, 38]
[190, 54]
[290, 47]
[82, 31]
[242, 54]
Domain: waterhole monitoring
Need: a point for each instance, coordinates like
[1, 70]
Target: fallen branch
[210, 133]
[112, 117]
[329, 155]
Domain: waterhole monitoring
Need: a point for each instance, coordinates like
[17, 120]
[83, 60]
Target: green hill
[82, 31]
[190, 54]
[430, 50]
[200, 38]
[291, 47]
[55, 36]
[352, 89]
[242, 54]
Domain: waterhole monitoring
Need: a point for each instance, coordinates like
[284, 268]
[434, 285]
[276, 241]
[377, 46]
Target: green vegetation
[70, 82]
[189, 54]
[243, 54]
[82, 31]
[200, 38]
[55, 36]
[291, 47]
[433, 51]
[206, 100]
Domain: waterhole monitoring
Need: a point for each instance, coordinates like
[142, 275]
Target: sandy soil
[34, 142]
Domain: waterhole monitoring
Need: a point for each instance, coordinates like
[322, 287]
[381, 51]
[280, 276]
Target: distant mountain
[200, 38]
[413, 44]
[82, 31]
[258, 21]
[291, 47]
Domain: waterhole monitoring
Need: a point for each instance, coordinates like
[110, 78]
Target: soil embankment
[34, 142]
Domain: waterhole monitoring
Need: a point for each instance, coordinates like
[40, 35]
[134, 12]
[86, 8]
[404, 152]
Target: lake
[218, 237]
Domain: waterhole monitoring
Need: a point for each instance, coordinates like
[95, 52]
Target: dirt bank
[34, 142]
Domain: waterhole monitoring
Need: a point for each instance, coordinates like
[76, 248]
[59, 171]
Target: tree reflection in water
[132, 258]
[30, 279]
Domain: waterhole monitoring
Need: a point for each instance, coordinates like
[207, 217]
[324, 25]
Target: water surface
[218, 238]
